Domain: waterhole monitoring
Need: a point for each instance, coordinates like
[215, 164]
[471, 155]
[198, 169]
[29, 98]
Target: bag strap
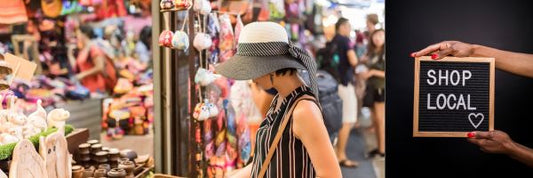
[281, 128]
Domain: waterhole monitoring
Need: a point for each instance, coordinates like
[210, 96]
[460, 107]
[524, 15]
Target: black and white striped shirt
[290, 158]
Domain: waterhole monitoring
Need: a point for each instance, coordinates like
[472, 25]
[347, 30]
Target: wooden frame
[416, 132]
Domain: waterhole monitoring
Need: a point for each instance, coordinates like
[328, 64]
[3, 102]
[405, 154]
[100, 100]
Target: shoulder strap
[281, 128]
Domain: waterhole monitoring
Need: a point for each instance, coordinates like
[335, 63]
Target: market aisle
[356, 150]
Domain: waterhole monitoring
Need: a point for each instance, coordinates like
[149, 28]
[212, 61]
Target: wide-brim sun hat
[263, 48]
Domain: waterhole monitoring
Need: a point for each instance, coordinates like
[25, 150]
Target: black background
[412, 25]
[456, 120]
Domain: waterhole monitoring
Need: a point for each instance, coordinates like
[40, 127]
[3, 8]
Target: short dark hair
[87, 30]
[340, 22]
[372, 18]
[284, 71]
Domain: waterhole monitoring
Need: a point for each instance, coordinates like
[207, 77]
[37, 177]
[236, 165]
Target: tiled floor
[360, 142]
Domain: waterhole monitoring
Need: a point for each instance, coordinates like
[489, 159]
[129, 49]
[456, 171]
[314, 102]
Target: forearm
[517, 63]
[378, 73]
[521, 153]
[92, 71]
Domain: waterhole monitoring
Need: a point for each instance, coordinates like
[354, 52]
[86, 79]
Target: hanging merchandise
[226, 44]
[110, 8]
[180, 40]
[277, 9]
[202, 6]
[70, 6]
[165, 39]
[205, 77]
[13, 12]
[213, 29]
[238, 28]
[231, 136]
[202, 40]
[175, 5]
[51, 8]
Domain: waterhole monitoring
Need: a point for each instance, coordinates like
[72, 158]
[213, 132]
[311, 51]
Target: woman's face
[264, 82]
[80, 37]
[379, 38]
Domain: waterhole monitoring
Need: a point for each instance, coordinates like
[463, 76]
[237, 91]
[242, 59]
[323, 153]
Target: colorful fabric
[227, 40]
[12, 12]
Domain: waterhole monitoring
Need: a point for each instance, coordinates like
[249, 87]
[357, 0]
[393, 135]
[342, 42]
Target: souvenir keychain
[165, 38]
[180, 40]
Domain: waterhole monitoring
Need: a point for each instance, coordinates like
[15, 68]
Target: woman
[304, 150]
[517, 63]
[375, 92]
[94, 69]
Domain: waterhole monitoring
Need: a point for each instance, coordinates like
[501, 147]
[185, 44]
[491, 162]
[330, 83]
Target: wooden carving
[26, 162]
[2, 174]
[54, 150]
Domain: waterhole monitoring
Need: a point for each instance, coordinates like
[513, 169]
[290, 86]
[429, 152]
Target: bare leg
[379, 121]
[340, 149]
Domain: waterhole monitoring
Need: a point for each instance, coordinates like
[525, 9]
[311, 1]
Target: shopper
[265, 55]
[371, 21]
[94, 68]
[143, 46]
[347, 61]
[517, 63]
[375, 88]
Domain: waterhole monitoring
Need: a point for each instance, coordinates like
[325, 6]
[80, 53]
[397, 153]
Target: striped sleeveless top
[290, 158]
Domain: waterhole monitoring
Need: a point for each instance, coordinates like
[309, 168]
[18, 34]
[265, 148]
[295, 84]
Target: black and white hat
[264, 47]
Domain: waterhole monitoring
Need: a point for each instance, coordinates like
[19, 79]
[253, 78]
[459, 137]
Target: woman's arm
[244, 172]
[499, 142]
[517, 63]
[352, 57]
[99, 62]
[309, 127]
[70, 55]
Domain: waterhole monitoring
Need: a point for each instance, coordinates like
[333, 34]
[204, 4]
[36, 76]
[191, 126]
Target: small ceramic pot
[130, 154]
[92, 142]
[77, 171]
[84, 148]
[122, 160]
[88, 173]
[107, 167]
[96, 148]
[129, 166]
[101, 157]
[114, 154]
[117, 173]
[100, 173]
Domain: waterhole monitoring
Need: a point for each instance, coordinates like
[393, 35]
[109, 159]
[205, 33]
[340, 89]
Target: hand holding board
[453, 96]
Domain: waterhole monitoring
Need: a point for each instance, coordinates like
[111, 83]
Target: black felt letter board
[453, 96]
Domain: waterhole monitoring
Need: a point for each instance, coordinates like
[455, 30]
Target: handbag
[275, 142]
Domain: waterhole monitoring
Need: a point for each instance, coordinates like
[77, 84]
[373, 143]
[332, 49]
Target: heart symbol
[475, 116]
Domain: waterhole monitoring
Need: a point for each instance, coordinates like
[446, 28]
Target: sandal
[375, 152]
[344, 163]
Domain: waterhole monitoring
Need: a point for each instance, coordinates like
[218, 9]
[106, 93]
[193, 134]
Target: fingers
[484, 135]
[442, 53]
[427, 50]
